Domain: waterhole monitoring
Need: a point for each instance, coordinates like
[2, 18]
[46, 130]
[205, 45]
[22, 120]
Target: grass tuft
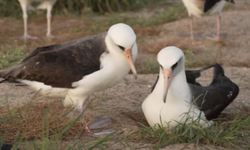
[150, 66]
[207, 58]
[170, 13]
[10, 8]
[11, 55]
[229, 134]
[47, 126]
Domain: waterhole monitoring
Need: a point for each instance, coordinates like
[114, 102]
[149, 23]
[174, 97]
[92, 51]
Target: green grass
[48, 137]
[171, 13]
[230, 134]
[11, 8]
[207, 58]
[150, 66]
[189, 59]
[11, 54]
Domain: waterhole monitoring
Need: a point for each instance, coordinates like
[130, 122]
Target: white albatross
[78, 68]
[198, 7]
[45, 4]
[174, 101]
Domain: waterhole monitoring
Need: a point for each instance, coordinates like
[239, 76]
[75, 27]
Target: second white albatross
[174, 101]
[78, 68]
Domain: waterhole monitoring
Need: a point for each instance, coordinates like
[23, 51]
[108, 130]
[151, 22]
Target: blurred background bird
[45, 4]
[198, 7]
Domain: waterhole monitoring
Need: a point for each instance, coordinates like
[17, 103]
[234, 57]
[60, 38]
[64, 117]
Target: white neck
[178, 88]
[113, 49]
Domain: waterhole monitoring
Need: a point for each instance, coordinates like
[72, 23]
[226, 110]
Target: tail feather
[204, 69]
[6, 77]
[192, 75]
[219, 74]
[218, 70]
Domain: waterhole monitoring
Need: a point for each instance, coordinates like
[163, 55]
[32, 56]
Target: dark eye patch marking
[121, 47]
[174, 66]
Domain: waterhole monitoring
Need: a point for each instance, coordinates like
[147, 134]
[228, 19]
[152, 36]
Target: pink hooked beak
[128, 55]
[167, 74]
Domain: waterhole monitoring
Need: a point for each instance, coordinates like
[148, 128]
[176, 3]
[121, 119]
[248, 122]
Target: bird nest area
[28, 122]
[35, 119]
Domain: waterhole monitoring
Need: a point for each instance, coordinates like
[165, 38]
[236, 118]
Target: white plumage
[172, 88]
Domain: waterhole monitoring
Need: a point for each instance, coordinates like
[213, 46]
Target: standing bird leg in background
[45, 4]
[48, 5]
[218, 27]
[199, 7]
[24, 5]
[49, 16]
[217, 37]
[191, 27]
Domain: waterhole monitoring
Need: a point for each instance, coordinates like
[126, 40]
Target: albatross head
[124, 38]
[171, 60]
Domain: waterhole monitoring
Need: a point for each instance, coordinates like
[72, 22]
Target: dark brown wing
[60, 65]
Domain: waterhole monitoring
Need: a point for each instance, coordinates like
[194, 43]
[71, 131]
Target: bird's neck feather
[113, 48]
[178, 88]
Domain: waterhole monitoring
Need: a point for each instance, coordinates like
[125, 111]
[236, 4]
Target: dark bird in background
[199, 7]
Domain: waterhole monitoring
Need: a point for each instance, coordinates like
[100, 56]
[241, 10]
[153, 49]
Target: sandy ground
[123, 101]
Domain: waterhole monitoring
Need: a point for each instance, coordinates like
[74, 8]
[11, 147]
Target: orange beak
[167, 74]
[128, 55]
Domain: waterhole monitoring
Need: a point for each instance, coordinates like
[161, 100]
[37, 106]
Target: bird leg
[217, 37]
[218, 27]
[191, 27]
[49, 16]
[25, 18]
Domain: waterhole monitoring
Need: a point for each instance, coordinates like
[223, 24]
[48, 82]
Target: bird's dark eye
[174, 66]
[121, 47]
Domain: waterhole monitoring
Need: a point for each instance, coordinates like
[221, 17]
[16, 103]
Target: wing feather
[61, 64]
[213, 99]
